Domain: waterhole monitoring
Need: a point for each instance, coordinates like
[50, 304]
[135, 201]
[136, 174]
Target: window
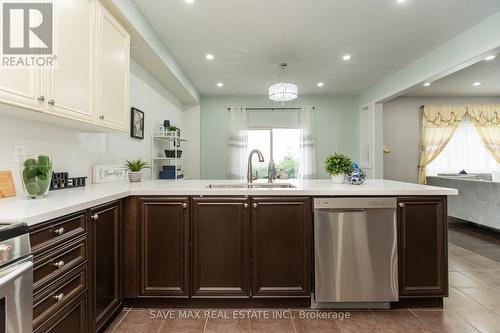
[464, 152]
[283, 144]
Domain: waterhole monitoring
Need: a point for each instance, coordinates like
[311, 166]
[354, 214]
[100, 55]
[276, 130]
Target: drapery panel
[439, 123]
[307, 153]
[486, 120]
[237, 143]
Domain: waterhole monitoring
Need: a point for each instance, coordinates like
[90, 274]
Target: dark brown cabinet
[220, 247]
[423, 246]
[281, 246]
[73, 318]
[105, 234]
[164, 247]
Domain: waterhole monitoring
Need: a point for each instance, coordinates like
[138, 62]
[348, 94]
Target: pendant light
[283, 91]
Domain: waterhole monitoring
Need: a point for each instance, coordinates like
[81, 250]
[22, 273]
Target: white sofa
[478, 201]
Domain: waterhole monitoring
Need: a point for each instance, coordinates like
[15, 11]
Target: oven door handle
[14, 272]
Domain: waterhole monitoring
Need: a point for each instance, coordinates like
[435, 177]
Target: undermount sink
[252, 185]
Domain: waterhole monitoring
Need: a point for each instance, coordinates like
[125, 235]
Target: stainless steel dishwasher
[355, 249]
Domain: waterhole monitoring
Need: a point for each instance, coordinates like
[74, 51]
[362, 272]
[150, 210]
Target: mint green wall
[336, 124]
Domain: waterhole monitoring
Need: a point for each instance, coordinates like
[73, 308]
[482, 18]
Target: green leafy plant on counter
[338, 164]
[37, 174]
[136, 165]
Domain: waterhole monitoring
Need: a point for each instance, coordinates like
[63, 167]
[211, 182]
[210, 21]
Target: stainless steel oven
[16, 280]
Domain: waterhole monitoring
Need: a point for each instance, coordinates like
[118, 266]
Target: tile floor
[473, 306]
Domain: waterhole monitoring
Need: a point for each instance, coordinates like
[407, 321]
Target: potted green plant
[172, 130]
[338, 165]
[135, 168]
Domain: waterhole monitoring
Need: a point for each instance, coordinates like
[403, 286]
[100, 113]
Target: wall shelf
[169, 167]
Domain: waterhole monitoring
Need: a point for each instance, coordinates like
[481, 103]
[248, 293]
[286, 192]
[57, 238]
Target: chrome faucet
[250, 177]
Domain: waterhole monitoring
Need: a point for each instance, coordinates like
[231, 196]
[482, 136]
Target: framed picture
[137, 124]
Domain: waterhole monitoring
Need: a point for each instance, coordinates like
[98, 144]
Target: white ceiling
[249, 38]
[461, 82]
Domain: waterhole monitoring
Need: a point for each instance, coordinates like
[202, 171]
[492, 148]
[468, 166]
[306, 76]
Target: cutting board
[7, 188]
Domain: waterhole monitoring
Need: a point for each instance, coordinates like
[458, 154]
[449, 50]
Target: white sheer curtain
[464, 151]
[238, 142]
[307, 154]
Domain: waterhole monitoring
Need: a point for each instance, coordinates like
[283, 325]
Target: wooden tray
[7, 188]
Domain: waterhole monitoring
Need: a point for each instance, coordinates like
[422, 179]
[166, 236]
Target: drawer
[49, 268]
[49, 302]
[50, 234]
[72, 318]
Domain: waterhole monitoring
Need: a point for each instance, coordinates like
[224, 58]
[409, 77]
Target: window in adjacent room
[464, 152]
[283, 144]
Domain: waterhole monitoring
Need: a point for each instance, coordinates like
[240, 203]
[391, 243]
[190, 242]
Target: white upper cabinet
[89, 82]
[69, 83]
[112, 72]
[21, 86]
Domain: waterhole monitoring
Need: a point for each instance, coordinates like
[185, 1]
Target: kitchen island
[200, 243]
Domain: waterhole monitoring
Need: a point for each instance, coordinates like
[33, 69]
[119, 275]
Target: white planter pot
[338, 179]
[134, 177]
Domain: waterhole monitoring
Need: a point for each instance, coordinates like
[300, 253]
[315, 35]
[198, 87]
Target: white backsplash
[76, 151]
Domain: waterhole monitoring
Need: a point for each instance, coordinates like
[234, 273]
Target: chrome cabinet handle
[245, 205]
[51, 102]
[59, 264]
[184, 205]
[101, 117]
[59, 231]
[402, 205]
[254, 205]
[41, 99]
[59, 297]
[94, 217]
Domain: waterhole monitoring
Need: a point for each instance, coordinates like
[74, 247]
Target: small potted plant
[338, 165]
[135, 169]
[172, 130]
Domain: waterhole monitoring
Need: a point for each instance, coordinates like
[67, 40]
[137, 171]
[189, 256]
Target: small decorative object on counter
[61, 180]
[338, 165]
[169, 172]
[36, 173]
[356, 176]
[135, 168]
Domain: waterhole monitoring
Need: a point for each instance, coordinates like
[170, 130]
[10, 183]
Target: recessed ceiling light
[346, 57]
[220, 84]
[476, 84]
[209, 56]
[320, 84]
[189, 1]
[401, 1]
[491, 57]
[426, 84]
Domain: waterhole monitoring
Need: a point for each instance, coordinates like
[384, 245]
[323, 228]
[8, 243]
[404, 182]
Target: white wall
[402, 132]
[76, 151]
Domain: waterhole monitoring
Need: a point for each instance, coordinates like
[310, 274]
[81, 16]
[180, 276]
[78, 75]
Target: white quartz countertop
[67, 201]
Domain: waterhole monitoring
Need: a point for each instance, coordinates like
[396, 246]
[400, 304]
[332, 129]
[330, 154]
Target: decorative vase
[36, 173]
[134, 176]
[338, 179]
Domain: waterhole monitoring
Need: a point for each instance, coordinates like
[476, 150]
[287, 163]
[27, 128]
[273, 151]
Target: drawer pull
[51, 102]
[254, 205]
[402, 205]
[94, 217]
[59, 231]
[59, 297]
[245, 205]
[184, 205]
[59, 264]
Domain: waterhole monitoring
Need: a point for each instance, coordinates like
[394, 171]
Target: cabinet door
[106, 262]
[73, 318]
[221, 251]
[112, 72]
[21, 86]
[69, 84]
[281, 246]
[422, 246]
[164, 247]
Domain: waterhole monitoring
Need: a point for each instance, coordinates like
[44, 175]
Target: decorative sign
[108, 173]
